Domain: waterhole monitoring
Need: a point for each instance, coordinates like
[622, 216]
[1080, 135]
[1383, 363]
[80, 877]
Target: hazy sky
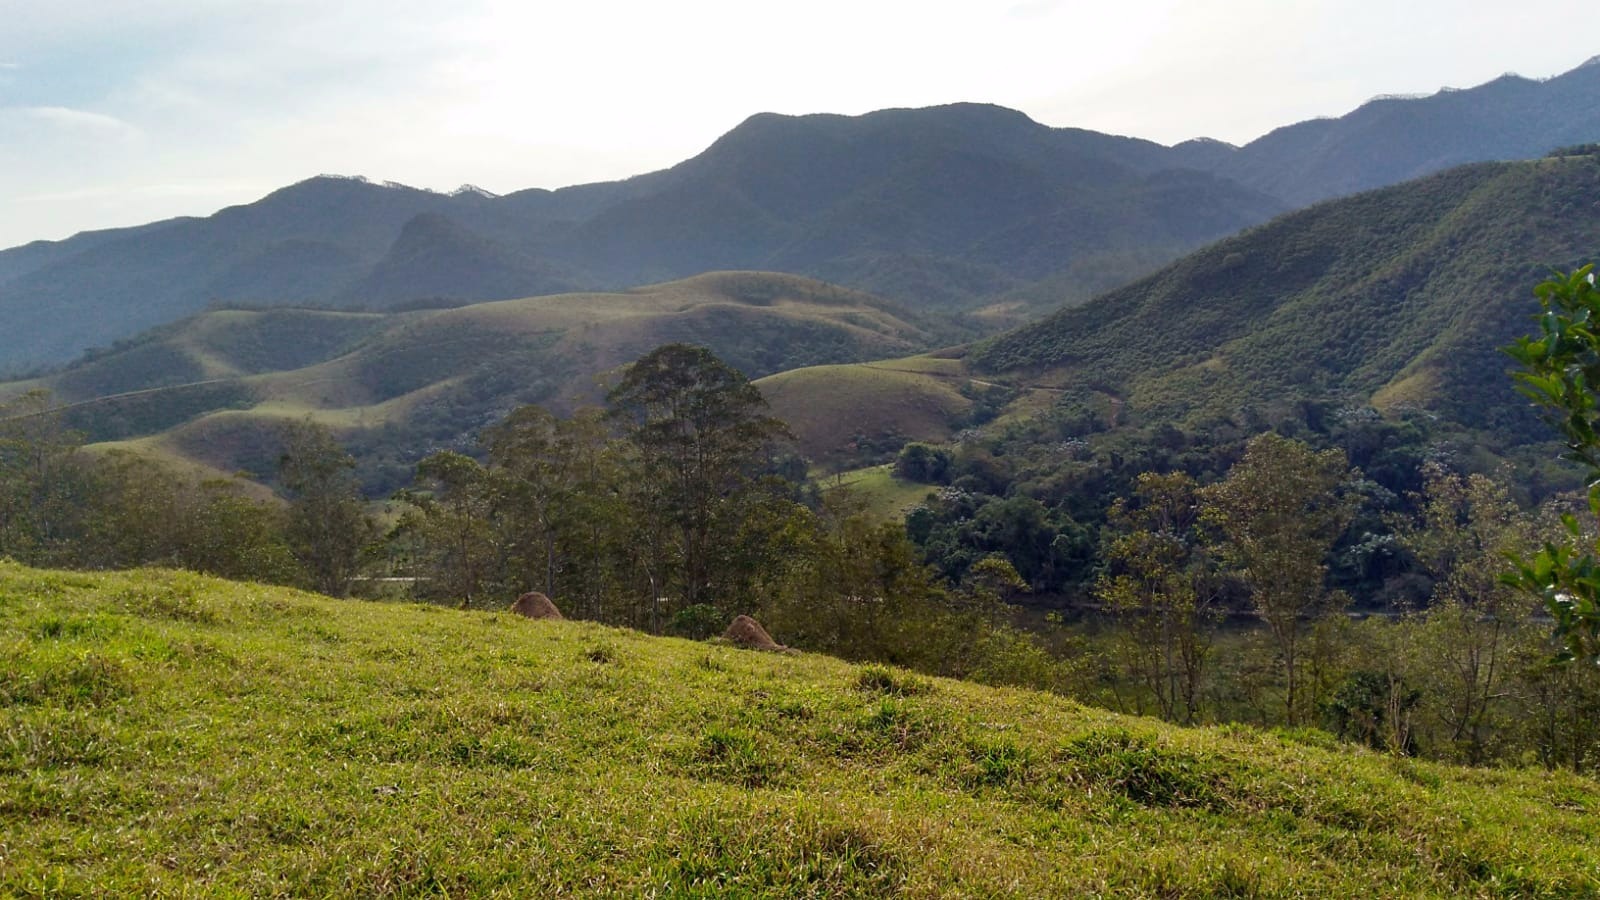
[116, 113]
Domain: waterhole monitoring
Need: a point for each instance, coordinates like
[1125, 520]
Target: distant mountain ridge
[960, 207]
[1392, 139]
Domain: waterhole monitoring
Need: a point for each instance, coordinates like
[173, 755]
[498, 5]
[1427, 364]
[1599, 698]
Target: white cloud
[78, 121]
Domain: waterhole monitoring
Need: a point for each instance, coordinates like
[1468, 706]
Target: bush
[697, 622]
[923, 463]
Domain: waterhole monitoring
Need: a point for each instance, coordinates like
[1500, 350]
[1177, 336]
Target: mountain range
[966, 207]
[1397, 299]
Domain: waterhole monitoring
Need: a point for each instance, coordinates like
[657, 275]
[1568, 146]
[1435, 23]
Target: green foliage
[1390, 298]
[561, 512]
[328, 526]
[40, 479]
[448, 527]
[684, 519]
[145, 514]
[696, 426]
[1158, 582]
[1279, 512]
[1561, 367]
[123, 416]
[923, 463]
[1561, 374]
[1372, 708]
[1465, 528]
[62, 506]
[1589, 149]
[697, 622]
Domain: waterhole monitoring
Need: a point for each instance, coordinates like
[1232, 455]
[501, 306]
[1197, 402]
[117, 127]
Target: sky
[119, 112]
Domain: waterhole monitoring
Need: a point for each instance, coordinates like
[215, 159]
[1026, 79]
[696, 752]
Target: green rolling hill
[847, 413]
[214, 388]
[1399, 298]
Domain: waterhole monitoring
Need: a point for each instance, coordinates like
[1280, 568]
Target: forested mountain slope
[1395, 297]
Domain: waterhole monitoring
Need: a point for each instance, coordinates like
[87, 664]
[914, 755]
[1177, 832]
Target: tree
[923, 463]
[452, 520]
[1158, 582]
[697, 427]
[42, 484]
[561, 481]
[235, 536]
[1279, 511]
[1561, 372]
[851, 585]
[990, 583]
[328, 526]
[1461, 534]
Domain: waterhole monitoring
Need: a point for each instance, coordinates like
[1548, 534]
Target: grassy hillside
[845, 414]
[879, 491]
[162, 733]
[1400, 297]
[213, 388]
[836, 411]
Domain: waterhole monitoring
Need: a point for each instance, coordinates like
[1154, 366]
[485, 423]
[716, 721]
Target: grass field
[834, 410]
[831, 408]
[877, 487]
[167, 734]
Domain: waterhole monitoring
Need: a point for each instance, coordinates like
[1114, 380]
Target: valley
[1131, 520]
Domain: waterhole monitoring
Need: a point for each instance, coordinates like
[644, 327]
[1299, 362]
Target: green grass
[951, 367]
[831, 408]
[167, 734]
[844, 414]
[878, 488]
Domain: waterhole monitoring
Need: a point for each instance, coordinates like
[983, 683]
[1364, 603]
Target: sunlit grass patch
[162, 733]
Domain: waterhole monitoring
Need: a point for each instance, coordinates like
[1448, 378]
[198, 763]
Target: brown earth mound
[535, 605]
[748, 633]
